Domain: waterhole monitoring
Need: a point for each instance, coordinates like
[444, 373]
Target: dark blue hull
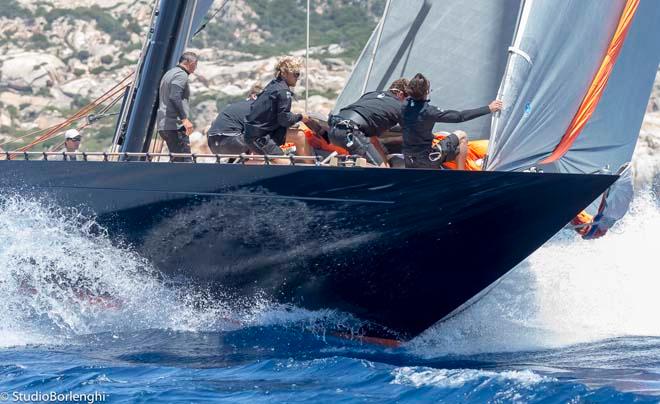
[400, 248]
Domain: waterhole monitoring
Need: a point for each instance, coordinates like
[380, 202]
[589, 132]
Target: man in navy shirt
[270, 115]
[226, 134]
[418, 119]
[354, 126]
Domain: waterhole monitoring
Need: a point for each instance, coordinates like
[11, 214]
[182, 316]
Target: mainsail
[459, 45]
[556, 54]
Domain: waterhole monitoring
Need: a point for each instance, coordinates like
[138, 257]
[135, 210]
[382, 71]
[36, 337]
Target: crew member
[72, 140]
[357, 126]
[270, 114]
[418, 119]
[226, 134]
[174, 124]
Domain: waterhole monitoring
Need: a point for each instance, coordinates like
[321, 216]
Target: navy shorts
[430, 158]
[228, 144]
[265, 145]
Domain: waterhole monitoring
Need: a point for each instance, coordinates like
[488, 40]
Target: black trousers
[356, 142]
[177, 142]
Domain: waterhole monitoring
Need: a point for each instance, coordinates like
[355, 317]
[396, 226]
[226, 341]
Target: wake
[570, 291]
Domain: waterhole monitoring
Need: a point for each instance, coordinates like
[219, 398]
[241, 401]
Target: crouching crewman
[270, 115]
[226, 134]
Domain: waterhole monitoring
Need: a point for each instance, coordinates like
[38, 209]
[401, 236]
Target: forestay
[461, 46]
[557, 50]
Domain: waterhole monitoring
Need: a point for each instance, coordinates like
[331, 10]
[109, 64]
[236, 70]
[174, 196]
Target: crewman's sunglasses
[296, 74]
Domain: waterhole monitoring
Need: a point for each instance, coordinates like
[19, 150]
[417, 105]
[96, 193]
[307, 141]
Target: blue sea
[94, 322]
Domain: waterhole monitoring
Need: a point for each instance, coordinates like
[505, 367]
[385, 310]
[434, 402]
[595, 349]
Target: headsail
[609, 138]
[459, 45]
[557, 53]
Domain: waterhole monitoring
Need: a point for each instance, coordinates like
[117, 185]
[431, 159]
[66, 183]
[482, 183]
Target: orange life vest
[477, 150]
[318, 142]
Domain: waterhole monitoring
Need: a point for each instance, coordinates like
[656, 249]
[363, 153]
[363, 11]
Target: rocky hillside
[646, 160]
[60, 54]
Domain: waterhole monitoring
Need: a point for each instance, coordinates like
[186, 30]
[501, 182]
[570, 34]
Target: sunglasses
[296, 74]
[75, 139]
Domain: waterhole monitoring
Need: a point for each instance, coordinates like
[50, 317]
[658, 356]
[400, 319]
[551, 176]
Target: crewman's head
[72, 140]
[255, 90]
[419, 88]
[398, 88]
[288, 68]
[189, 61]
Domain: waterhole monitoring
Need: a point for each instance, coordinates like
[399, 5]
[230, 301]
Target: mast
[129, 97]
[142, 116]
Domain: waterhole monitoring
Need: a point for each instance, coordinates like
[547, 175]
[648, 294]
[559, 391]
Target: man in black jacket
[357, 126]
[173, 118]
[270, 114]
[226, 134]
[418, 119]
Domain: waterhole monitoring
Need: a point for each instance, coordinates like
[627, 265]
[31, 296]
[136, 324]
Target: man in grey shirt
[174, 125]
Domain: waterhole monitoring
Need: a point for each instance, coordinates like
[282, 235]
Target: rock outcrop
[645, 160]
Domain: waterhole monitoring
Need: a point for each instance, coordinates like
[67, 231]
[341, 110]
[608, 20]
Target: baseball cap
[71, 134]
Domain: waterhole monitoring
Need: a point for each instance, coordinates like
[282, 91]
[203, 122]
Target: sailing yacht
[399, 248]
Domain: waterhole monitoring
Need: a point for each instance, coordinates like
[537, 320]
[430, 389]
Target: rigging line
[80, 114]
[224, 3]
[36, 132]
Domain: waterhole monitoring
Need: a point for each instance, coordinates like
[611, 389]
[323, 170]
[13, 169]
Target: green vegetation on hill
[118, 29]
[347, 23]
[11, 9]
[104, 20]
[282, 22]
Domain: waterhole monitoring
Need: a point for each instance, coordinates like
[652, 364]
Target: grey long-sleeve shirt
[174, 96]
